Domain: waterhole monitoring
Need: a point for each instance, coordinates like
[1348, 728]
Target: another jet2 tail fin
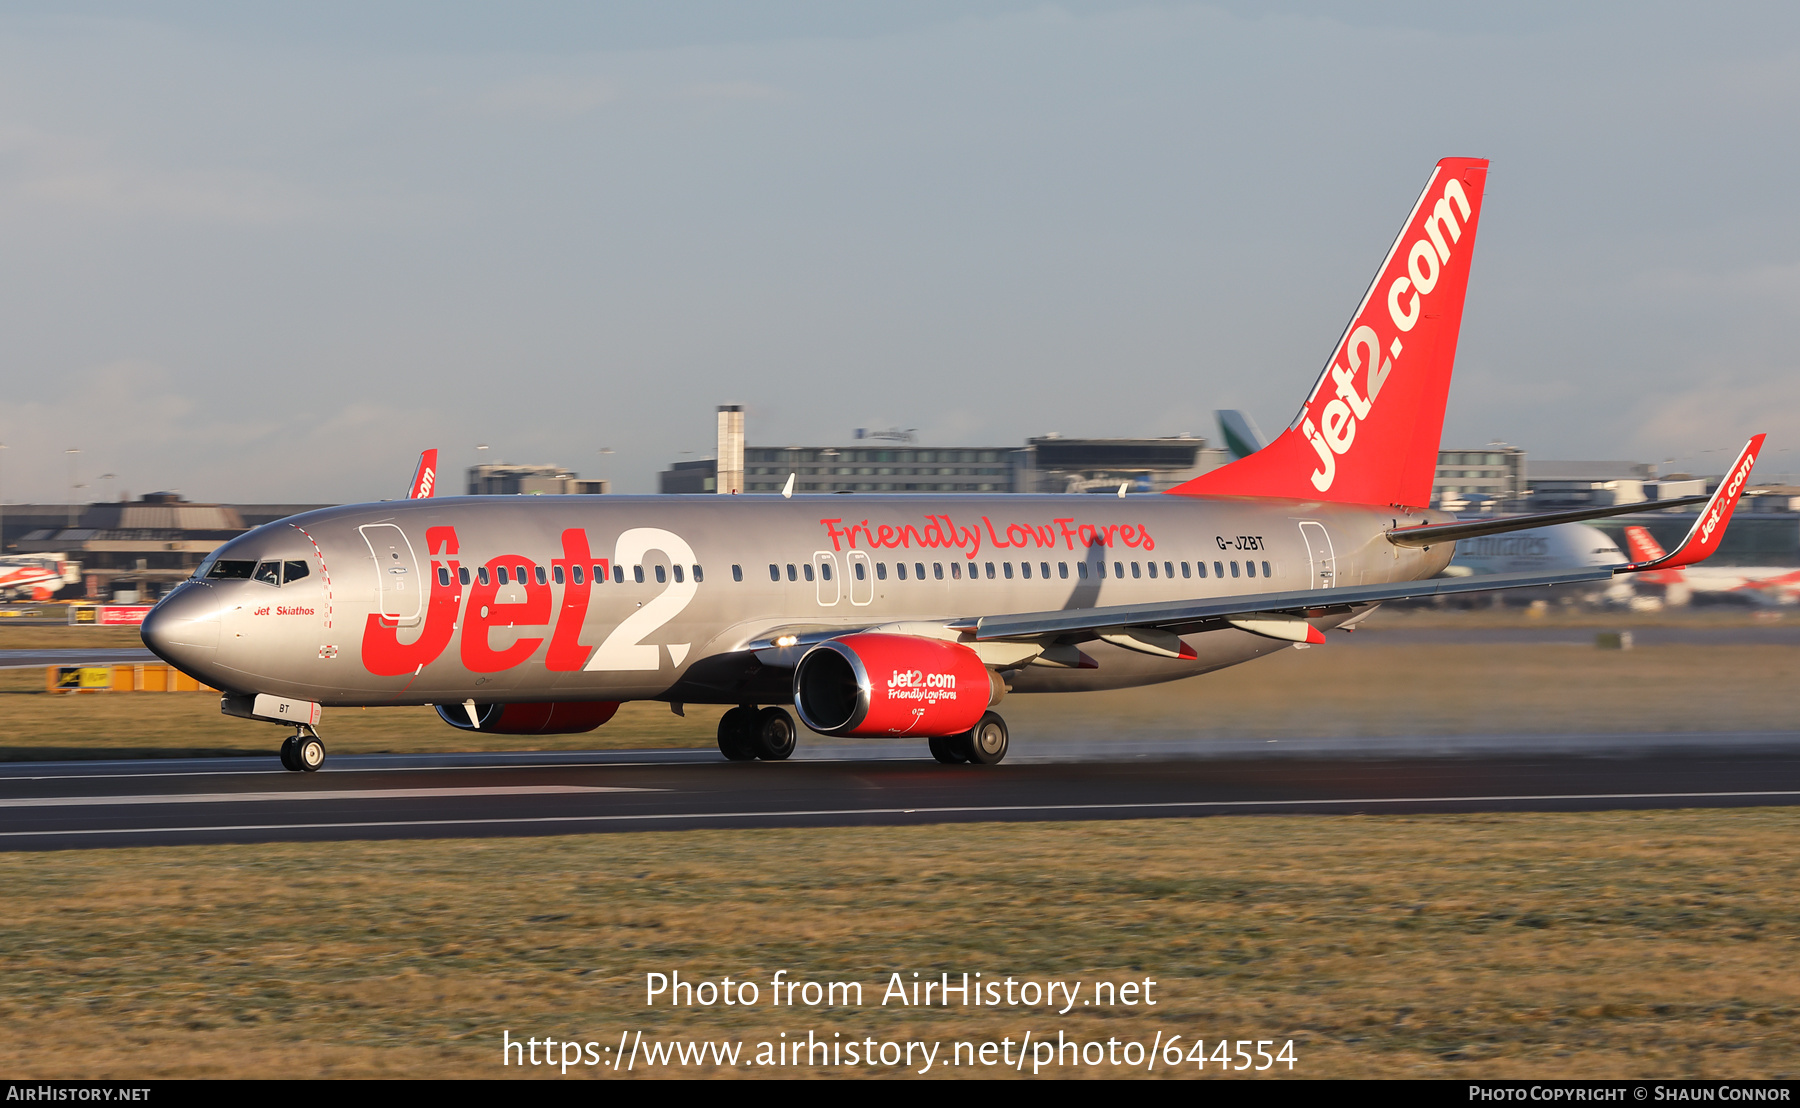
[1644, 548]
[1368, 433]
[424, 481]
[1641, 546]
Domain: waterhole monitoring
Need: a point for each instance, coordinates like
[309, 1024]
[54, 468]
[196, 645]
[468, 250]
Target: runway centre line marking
[484, 822]
[319, 794]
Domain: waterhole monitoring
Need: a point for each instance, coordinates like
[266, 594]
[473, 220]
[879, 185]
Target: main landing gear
[303, 751]
[746, 734]
[983, 745]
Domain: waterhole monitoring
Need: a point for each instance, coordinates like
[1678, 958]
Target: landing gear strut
[746, 734]
[984, 744]
[303, 751]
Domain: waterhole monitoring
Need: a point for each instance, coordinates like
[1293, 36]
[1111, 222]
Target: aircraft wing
[1431, 534]
[1283, 614]
[1181, 617]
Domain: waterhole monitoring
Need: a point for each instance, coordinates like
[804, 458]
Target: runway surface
[103, 804]
[98, 656]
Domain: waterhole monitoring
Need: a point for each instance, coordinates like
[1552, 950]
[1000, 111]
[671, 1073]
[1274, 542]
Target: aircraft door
[830, 586]
[400, 589]
[862, 578]
[1318, 549]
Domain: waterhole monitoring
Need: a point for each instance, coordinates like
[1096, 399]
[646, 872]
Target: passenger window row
[798, 571]
[508, 575]
[279, 572]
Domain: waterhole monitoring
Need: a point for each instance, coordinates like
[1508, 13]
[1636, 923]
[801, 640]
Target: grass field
[1586, 945]
[1348, 687]
[1580, 945]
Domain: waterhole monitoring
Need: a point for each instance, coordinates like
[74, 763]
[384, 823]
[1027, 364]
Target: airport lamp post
[2, 515]
[72, 452]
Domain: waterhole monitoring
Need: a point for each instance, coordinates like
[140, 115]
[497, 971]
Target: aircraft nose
[183, 630]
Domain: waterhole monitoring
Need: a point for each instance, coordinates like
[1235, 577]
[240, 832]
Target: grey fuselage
[402, 602]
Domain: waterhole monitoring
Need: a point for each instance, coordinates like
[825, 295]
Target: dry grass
[1582, 945]
[1355, 687]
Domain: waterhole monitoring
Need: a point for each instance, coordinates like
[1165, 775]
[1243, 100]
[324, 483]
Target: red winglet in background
[1708, 532]
[424, 481]
[1368, 433]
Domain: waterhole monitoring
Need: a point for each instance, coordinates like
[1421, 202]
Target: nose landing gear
[303, 751]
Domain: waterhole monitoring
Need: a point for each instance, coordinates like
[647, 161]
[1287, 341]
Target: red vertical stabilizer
[1369, 431]
[425, 478]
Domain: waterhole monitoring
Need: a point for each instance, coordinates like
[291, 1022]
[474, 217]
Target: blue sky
[268, 252]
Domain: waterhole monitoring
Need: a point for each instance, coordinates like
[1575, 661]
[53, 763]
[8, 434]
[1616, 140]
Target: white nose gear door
[1318, 548]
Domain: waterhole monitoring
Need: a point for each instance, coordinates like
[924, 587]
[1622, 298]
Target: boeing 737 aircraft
[876, 615]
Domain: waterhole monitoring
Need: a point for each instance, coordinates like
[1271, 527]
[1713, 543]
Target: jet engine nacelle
[558, 718]
[879, 684]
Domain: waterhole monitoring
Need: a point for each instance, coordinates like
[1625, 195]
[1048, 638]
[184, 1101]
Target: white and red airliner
[876, 615]
[1755, 584]
[38, 576]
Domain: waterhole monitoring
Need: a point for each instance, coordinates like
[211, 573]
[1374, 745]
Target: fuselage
[623, 598]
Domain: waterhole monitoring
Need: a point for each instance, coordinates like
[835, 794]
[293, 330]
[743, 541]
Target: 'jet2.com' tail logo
[1424, 264]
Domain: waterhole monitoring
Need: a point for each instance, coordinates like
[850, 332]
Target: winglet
[424, 481]
[1708, 532]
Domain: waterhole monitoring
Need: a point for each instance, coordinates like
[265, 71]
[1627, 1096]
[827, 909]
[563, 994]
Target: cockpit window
[293, 571]
[269, 573]
[231, 571]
